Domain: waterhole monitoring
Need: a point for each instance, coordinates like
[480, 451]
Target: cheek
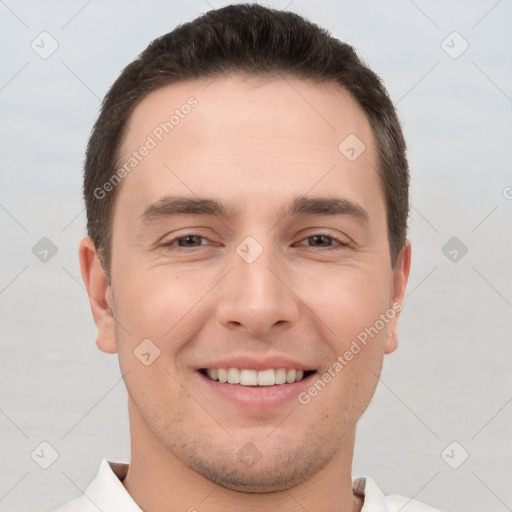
[349, 301]
[357, 321]
[154, 321]
[151, 303]
[163, 305]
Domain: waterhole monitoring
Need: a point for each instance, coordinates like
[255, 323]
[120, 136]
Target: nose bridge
[254, 269]
[254, 295]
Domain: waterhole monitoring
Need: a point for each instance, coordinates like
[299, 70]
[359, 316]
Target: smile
[250, 377]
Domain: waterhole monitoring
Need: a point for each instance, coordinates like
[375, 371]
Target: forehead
[248, 137]
[263, 107]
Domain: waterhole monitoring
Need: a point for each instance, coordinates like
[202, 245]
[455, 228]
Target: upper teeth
[247, 377]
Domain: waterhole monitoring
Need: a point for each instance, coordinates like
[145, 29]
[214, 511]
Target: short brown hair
[254, 40]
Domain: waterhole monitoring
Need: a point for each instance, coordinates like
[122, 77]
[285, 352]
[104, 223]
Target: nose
[257, 296]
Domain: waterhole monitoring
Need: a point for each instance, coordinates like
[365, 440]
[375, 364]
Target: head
[269, 142]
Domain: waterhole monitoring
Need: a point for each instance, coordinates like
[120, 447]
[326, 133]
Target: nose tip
[254, 296]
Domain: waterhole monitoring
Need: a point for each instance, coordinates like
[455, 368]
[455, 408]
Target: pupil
[189, 238]
[320, 237]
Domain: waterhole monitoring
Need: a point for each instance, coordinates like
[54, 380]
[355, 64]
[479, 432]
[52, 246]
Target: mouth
[253, 378]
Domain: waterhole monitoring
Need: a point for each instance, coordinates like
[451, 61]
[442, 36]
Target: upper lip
[257, 363]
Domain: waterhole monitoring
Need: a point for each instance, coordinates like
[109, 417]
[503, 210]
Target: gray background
[448, 382]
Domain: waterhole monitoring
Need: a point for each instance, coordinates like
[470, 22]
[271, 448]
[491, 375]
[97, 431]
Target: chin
[255, 472]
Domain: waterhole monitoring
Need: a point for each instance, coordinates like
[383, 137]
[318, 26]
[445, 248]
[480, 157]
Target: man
[246, 188]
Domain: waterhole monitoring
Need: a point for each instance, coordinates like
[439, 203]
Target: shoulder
[376, 501]
[401, 504]
[81, 504]
[106, 492]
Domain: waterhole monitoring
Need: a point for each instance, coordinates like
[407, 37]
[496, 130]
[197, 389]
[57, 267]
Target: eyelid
[169, 242]
[338, 240]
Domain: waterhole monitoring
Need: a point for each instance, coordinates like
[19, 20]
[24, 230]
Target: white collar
[107, 493]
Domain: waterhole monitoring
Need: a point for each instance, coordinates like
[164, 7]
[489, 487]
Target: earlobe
[100, 295]
[399, 284]
[391, 342]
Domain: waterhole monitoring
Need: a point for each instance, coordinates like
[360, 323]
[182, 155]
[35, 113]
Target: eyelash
[170, 244]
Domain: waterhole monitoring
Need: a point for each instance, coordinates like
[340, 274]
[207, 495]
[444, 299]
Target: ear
[100, 295]
[399, 278]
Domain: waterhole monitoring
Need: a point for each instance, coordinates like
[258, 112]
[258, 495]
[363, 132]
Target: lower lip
[257, 397]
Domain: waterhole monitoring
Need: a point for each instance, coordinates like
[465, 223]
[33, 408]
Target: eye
[323, 240]
[194, 240]
[184, 241]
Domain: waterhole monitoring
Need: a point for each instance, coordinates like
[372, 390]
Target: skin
[258, 143]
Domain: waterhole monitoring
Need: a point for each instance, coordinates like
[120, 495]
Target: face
[249, 245]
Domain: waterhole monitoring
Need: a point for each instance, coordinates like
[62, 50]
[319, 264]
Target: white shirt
[108, 494]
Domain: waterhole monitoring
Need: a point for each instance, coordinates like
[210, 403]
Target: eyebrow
[301, 206]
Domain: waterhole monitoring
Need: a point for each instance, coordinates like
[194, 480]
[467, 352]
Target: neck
[158, 482]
